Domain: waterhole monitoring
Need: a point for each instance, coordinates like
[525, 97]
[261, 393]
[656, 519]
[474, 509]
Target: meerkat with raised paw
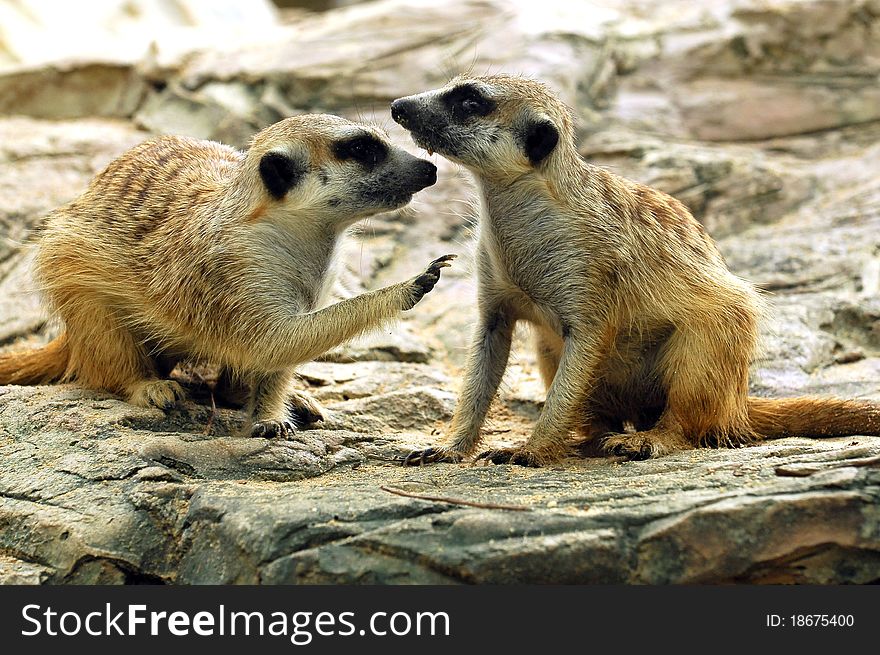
[638, 322]
[184, 248]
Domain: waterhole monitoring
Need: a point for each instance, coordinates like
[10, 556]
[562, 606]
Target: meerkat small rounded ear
[280, 173]
[541, 138]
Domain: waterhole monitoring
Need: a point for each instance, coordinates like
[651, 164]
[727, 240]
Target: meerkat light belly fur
[183, 248]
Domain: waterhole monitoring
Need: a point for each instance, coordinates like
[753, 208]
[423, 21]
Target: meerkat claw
[516, 456]
[444, 261]
[635, 447]
[415, 458]
[633, 454]
[420, 457]
[272, 429]
[430, 456]
[434, 267]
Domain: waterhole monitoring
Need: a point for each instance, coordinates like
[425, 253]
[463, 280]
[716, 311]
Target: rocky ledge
[762, 116]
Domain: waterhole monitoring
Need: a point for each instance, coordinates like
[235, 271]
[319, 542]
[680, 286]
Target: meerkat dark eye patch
[467, 100]
[364, 149]
[540, 140]
[280, 173]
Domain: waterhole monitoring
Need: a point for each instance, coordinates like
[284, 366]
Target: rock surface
[762, 116]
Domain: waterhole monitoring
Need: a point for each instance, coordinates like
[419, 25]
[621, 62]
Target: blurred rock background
[763, 116]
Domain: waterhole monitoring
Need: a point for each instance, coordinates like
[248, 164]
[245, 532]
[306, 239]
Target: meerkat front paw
[424, 283]
[162, 394]
[272, 428]
[432, 455]
[305, 409]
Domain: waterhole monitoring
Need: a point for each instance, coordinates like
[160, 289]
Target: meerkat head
[332, 170]
[494, 125]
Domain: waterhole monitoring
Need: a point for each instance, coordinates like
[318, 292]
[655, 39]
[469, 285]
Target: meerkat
[643, 336]
[182, 248]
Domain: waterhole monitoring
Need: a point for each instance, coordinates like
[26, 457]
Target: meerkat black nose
[401, 110]
[426, 173]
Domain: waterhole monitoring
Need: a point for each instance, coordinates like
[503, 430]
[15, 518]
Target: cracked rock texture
[763, 116]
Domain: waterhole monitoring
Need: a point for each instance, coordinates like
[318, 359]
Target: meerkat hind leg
[268, 406]
[548, 350]
[592, 427]
[704, 381]
[106, 355]
[635, 426]
[665, 438]
[231, 390]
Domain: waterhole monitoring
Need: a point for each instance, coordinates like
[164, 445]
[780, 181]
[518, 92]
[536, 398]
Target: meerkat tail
[774, 418]
[37, 366]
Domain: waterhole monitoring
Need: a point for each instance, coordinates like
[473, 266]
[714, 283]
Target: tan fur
[39, 366]
[179, 250]
[638, 321]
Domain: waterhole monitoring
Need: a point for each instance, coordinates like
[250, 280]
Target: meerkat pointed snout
[187, 249]
[643, 336]
[461, 122]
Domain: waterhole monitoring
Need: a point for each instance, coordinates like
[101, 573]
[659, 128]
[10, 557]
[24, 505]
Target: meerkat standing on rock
[638, 322]
[183, 248]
